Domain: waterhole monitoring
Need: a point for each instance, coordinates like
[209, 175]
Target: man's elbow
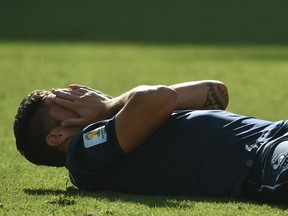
[167, 98]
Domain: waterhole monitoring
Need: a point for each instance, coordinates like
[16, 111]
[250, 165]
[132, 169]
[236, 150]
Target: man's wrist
[112, 107]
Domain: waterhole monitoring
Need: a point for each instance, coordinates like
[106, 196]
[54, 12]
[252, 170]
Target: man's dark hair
[32, 125]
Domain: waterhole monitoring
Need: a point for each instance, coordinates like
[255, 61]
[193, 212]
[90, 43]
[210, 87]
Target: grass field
[256, 76]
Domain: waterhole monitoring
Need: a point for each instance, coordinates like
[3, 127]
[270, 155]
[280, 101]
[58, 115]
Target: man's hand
[89, 104]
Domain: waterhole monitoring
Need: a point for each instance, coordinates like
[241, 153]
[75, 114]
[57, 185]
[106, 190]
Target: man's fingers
[80, 87]
[65, 94]
[61, 102]
[84, 89]
[74, 85]
[75, 122]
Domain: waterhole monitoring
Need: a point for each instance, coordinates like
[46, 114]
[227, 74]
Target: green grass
[256, 76]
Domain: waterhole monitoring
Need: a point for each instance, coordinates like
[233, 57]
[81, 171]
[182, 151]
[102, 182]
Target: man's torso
[197, 152]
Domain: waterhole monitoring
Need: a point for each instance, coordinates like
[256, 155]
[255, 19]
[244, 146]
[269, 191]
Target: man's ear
[56, 137]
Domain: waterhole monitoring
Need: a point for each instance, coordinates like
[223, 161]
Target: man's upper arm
[143, 114]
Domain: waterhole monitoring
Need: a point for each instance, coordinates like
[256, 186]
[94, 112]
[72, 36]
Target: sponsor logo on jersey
[95, 137]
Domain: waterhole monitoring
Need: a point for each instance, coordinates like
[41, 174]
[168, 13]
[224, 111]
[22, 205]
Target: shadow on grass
[181, 202]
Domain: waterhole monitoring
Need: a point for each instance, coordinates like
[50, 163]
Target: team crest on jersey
[95, 137]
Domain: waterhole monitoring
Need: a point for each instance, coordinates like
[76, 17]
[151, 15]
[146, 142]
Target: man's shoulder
[93, 153]
[96, 125]
[92, 135]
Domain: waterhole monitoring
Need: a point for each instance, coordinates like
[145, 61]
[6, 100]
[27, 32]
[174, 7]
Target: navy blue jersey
[193, 153]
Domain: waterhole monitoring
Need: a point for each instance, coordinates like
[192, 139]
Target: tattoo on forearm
[212, 100]
[223, 93]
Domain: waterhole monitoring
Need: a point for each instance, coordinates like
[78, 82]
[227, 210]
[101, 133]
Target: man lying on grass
[155, 140]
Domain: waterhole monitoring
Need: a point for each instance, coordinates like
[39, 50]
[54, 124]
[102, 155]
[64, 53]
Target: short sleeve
[95, 150]
[100, 145]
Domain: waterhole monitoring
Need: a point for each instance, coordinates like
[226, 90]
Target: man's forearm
[206, 94]
[114, 105]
